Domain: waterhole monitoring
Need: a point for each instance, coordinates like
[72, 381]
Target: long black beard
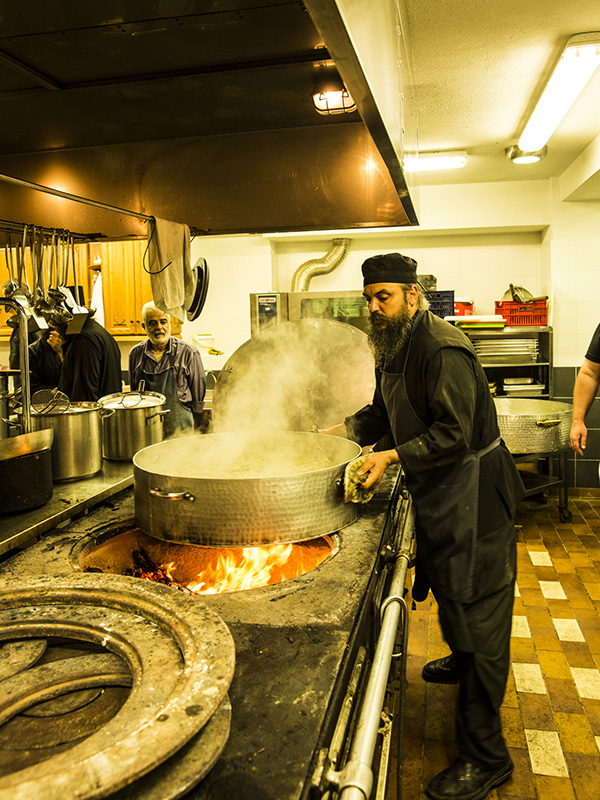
[387, 341]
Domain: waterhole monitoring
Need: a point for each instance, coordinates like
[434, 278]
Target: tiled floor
[551, 710]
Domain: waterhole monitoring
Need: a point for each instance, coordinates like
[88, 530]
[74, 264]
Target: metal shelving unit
[499, 367]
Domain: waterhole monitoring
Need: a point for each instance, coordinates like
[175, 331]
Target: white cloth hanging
[171, 276]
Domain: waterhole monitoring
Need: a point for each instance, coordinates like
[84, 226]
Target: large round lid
[128, 400]
[295, 376]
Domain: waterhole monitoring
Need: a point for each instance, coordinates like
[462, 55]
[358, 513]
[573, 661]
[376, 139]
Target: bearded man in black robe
[433, 409]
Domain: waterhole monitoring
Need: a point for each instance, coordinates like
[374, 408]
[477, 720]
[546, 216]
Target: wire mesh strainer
[45, 401]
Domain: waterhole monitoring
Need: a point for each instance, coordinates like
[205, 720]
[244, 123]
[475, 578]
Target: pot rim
[156, 473]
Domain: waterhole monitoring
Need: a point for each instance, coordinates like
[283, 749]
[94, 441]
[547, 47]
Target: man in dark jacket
[91, 366]
[433, 398]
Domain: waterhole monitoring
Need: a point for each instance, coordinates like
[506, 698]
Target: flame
[234, 569]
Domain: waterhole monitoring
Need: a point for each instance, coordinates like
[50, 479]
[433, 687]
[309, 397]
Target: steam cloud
[294, 376]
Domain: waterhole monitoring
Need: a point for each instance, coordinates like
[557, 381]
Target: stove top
[292, 642]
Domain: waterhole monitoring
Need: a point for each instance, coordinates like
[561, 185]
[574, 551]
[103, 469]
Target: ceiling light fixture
[435, 160]
[518, 156]
[577, 63]
[330, 96]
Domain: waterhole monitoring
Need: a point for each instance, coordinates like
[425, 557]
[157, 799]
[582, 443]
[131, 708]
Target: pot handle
[171, 495]
[547, 423]
[158, 414]
[105, 413]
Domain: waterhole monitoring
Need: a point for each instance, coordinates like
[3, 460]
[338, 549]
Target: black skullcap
[389, 268]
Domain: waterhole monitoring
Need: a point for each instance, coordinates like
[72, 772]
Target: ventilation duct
[320, 266]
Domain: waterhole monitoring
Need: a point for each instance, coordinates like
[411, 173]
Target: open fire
[204, 570]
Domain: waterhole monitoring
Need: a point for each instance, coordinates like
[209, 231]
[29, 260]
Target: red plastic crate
[535, 313]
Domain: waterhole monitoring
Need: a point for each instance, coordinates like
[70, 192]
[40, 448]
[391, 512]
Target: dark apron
[179, 418]
[447, 509]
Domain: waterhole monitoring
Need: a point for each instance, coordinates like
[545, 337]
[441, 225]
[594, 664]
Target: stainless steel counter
[69, 499]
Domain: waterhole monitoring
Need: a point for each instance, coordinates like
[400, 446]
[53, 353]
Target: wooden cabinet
[126, 285]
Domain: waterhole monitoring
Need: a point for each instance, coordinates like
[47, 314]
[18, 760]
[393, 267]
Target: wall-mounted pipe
[320, 266]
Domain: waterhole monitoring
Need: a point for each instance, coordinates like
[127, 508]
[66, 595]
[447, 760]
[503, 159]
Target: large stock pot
[243, 489]
[130, 422]
[534, 426]
[77, 447]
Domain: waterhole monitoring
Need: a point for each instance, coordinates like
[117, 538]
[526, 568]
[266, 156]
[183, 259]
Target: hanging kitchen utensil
[79, 313]
[11, 287]
[201, 276]
[45, 401]
[40, 303]
[22, 293]
[60, 313]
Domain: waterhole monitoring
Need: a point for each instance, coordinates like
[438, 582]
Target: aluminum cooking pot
[534, 426]
[77, 447]
[243, 489]
[130, 422]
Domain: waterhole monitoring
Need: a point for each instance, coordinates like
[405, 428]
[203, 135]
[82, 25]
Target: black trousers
[479, 637]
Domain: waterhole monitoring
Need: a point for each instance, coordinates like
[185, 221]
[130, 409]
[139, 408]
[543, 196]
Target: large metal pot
[25, 471]
[236, 489]
[130, 422]
[77, 448]
[534, 426]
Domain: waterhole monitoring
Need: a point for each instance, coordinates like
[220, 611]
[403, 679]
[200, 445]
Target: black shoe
[465, 780]
[442, 670]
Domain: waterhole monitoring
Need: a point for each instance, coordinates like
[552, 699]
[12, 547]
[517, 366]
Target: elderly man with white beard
[432, 398]
[171, 367]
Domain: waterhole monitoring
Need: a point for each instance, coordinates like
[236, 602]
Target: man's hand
[375, 465]
[578, 436]
[55, 341]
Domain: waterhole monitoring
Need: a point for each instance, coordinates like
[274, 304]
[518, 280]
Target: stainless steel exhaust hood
[203, 117]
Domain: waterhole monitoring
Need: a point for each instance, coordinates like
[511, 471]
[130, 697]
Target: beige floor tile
[529, 678]
[546, 753]
[568, 630]
[520, 628]
[587, 682]
[540, 558]
[553, 590]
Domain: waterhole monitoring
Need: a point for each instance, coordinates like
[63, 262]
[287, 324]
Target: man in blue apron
[432, 397]
[171, 367]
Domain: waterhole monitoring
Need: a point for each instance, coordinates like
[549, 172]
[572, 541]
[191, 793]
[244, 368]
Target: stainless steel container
[130, 422]
[534, 426]
[77, 447]
[236, 489]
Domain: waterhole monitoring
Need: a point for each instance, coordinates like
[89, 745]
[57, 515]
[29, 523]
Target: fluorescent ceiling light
[449, 159]
[578, 61]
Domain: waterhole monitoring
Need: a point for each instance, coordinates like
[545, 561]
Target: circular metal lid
[129, 400]
[179, 655]
[295, 376]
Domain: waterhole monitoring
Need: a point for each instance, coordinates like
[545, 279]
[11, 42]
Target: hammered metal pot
[534, 426]
[234, 489]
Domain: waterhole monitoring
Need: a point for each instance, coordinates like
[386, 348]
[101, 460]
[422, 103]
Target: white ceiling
[478, 67]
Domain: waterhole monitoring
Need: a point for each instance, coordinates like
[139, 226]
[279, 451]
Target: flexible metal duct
[320, 266]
